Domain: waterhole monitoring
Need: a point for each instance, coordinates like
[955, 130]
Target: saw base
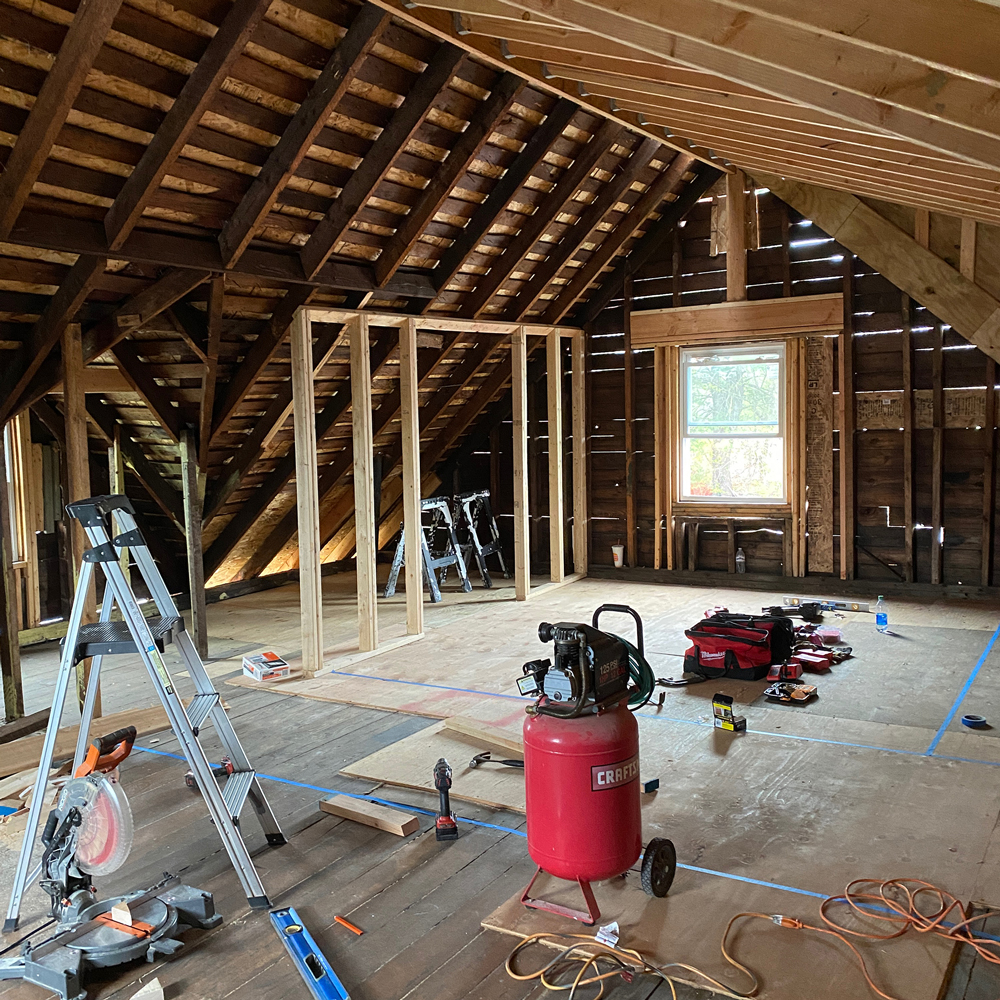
[60, 963]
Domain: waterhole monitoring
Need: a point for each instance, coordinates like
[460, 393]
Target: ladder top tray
[111, 638]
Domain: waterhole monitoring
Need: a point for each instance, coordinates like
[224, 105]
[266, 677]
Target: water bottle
[741, 561]
[881, 615]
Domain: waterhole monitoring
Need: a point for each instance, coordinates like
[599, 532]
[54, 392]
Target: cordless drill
[445, 827]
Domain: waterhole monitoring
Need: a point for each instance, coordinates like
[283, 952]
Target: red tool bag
[738, 646]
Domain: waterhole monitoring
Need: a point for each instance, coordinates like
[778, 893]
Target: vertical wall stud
[557, 544]
[967, 256]
[846, 424]
[193, 504]
[989, 470]
[908, 504]
[580, 449]
[631, 532]
[937, 456]
[307, 494]
[519, 393]
[409, 416]
[78, 477]
[366, 540]
[10, 650]
[659, 450]
[736, 237]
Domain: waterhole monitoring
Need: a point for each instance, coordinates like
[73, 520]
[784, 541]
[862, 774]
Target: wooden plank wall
[797, 258]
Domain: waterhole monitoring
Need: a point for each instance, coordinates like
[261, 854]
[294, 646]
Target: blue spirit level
[309, 960]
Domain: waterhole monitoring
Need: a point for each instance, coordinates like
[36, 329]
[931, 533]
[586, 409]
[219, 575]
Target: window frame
[753, 348]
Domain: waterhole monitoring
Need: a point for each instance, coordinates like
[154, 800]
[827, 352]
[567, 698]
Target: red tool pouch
[728, 650]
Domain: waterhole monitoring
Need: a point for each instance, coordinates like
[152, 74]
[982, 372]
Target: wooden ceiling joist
[258, 355]
[311, 117]
[48, 114]
[468, 146]
[561, 254]
[487, 212]
[169, 139]
[270, 421]
[533, 228]
[362, 183]
[863, 85]
[583, 277]
[46, 333]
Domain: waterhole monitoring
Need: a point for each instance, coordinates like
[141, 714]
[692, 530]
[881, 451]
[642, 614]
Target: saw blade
[104, 838]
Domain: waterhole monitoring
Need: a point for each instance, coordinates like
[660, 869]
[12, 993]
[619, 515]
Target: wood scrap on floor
[485, 734]
[374, 814]
[410, 764]
[27, 751]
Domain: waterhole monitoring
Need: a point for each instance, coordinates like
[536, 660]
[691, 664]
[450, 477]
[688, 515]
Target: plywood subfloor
[807, 799]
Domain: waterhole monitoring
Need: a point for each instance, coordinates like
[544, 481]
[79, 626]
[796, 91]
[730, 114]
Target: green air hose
[640, 672]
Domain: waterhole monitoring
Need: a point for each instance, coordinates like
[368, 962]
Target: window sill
[712, 508]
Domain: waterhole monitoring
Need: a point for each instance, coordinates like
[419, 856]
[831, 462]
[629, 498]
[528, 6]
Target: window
[733, 424]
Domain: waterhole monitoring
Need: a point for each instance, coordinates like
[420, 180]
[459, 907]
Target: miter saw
[88, 833]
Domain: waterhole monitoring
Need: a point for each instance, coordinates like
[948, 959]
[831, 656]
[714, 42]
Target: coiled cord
[903, 904]
[579, 964]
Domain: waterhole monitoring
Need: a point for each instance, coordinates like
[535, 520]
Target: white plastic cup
[618, 551]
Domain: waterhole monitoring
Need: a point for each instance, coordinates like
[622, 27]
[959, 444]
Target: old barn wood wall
[945, 382]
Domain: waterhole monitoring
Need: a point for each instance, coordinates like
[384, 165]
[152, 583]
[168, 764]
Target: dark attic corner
[499, 499]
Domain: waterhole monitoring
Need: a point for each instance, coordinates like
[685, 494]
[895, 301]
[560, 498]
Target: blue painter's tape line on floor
[488, 826]
[423, 684]
[684, 722]
[961, 694]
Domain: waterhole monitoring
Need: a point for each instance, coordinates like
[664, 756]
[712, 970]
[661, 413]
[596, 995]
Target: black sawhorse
[434, 557]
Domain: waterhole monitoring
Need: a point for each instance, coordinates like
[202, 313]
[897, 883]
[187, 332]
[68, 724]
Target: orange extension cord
[903, 904]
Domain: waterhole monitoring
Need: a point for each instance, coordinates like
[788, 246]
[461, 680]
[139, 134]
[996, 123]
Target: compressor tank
[582, 794]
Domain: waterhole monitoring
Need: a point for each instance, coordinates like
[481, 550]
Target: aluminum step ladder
[147, 637]
[449, 554]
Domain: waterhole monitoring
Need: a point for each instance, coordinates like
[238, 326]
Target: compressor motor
[589, 672]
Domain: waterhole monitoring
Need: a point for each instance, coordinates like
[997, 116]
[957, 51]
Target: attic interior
[553, 443]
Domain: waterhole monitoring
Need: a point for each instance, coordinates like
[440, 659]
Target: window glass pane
[728, 396]
[748, 468]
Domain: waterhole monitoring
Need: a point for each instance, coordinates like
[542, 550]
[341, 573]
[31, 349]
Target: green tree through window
[733, 423]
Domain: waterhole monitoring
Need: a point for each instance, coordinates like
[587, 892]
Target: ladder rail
[93, 686]
[66, 670]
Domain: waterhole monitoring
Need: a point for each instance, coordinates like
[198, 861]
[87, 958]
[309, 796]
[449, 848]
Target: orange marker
[348, 925]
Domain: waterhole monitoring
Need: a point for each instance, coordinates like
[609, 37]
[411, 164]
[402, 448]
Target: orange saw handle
[107, 752]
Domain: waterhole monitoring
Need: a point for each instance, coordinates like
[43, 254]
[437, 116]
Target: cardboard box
[265, 667]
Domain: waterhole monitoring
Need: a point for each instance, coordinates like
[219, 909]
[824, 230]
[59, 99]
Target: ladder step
[236, 791]
[110, 638]
[201, 705]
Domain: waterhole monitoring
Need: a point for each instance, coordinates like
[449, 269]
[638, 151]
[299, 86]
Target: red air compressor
[581, 762]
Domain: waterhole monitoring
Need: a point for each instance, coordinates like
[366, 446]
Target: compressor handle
[624, 609]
